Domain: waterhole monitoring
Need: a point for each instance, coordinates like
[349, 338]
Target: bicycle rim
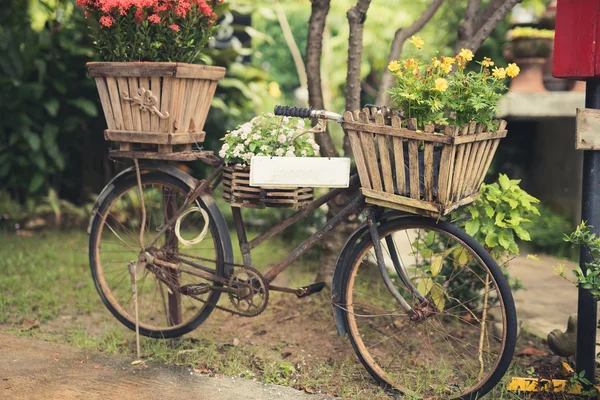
[463, 341]
[114, 244]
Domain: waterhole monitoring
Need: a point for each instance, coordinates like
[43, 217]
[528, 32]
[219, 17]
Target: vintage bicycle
[426, 308]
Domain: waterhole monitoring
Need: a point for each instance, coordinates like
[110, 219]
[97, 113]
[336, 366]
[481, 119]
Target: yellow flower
[466, 54]
[499, 73]
[417, 41]
[274, 90]
[512, 70]
[441, 84]
[447, 68]
[410, 63]
[448, 60]
[394, 66]
[435, 62]
[487, 62]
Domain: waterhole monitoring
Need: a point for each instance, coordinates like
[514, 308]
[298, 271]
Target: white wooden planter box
[280, 172]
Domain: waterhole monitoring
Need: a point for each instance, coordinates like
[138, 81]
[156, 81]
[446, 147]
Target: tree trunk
[387, 81]
[356, 18]
[314, 49]
[477, 27]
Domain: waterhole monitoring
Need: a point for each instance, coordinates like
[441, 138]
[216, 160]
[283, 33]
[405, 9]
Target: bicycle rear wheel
[165, 310]
[462, 340]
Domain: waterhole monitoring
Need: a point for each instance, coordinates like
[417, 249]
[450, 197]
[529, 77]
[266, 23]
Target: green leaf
[522, 233]
[489, 210]
[491, 240]
[33, 139]
[436, 265]
[36, 182]
[424, 286]
[499, 220]
[504, 182]
[472, 227]
[85, 105]
[438, 295]
[533, 257]
[430, 237]
[505, 239]
[52, 106]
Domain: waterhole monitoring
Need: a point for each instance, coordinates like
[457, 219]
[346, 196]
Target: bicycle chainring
[252, 294]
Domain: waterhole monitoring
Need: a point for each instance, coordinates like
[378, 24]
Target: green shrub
[547, 233]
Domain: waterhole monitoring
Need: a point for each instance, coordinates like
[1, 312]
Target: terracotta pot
[528, 47]
[531, 77]
[548, 18]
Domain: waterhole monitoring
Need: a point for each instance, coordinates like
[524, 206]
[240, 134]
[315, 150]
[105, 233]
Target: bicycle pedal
[310, 289]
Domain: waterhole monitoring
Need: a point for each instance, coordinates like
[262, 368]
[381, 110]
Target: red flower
[174, 27]
[139, 15]
[107, 21]
[154, 18]
[205, 8]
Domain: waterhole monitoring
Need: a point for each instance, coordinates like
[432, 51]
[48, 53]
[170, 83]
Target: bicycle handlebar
[290, 111]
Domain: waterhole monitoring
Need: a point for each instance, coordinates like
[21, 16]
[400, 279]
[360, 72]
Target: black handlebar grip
[289, 111]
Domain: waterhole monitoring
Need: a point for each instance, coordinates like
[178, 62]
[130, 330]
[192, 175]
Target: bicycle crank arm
[302, 291]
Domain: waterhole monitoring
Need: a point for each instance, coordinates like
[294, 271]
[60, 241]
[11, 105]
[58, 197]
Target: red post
[577, 56]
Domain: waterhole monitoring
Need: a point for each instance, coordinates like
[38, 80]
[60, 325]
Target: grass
[46, 278]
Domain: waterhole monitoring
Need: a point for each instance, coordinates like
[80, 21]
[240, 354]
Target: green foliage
[158, 31]
[500, 215]
[590, 279]
[547, 233]
[530, 33]
[45, 97]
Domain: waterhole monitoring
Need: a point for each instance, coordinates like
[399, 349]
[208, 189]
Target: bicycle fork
[373, 229]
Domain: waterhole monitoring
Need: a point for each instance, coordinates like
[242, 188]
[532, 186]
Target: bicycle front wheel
[460, 341]
[165, 308]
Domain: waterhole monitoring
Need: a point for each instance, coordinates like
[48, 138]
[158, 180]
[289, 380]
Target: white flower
[225, 146]
[244, 135]
[254, 120]
[222, 153]
[264, 147]
[240, 147]
[234, 133]
[300, 124]
[303, 153]
[260, 154]
[316, 148]
[247, 156]
[281, 139]
[279, 152]
[285, 120]
[269, 115]
[291, 148]
[256, 136]
[236, 153]
[310, 141]
[290, 154]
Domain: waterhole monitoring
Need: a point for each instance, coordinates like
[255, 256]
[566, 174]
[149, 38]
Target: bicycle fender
[188, 180]
[338, 274]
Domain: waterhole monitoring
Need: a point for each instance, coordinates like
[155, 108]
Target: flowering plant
[151, 30]
[431, 93]
[267, 135]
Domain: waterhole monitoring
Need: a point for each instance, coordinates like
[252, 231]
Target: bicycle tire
[506, 303]
[121, 187]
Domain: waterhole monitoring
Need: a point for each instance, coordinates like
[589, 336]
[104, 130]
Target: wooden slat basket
[424, 172]
[238, 192]
[155, 107]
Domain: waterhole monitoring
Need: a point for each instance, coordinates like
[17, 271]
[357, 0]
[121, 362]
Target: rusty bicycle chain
[222, 308]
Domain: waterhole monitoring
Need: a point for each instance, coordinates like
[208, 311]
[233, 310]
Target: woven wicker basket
[430, 173]
[238, 192]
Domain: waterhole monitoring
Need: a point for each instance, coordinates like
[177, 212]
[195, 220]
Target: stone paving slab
[31, 369]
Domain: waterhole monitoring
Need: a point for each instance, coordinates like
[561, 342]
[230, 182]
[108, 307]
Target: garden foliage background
[53, 158]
